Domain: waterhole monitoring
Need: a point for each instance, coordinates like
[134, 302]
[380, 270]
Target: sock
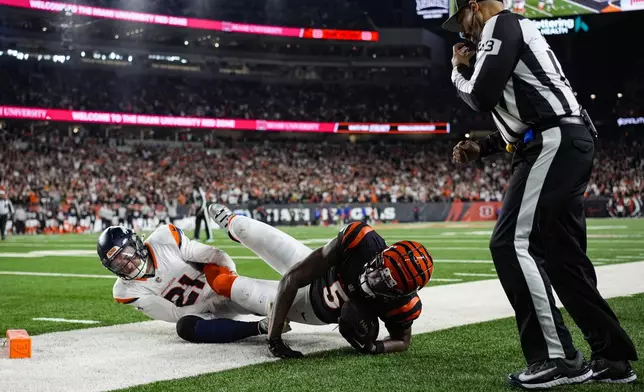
[220, 279]
[230, 234]
[224, 330]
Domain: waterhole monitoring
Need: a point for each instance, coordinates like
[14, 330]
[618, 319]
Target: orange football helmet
[401, 269]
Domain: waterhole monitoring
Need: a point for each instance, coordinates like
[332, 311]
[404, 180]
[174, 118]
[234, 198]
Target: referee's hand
[466, 151]
[461, 54]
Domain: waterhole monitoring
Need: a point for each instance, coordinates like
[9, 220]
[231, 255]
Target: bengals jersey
[357, 245]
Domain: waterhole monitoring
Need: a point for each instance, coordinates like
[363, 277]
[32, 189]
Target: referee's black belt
[550, 123]
[557, 121]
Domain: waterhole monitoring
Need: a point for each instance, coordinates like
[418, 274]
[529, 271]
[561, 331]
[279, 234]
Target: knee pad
[186, 327]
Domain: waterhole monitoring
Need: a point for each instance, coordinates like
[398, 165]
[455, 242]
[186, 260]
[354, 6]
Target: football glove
[362, 343]
[358, 328]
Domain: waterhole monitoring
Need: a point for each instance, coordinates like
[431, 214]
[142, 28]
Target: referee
[6, 210]
[201, 212]
[540, 236]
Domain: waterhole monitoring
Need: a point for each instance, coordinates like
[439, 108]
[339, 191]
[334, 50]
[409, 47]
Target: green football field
[559, 8]
[59, 277]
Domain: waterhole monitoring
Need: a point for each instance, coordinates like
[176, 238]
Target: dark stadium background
[54, 170]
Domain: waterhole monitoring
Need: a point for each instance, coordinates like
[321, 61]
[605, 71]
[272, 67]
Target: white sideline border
[100, 359]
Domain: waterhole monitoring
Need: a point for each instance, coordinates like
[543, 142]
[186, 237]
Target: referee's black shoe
[552, 373]
[614, 372]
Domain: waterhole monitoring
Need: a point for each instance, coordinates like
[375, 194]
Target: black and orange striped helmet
[401, 269]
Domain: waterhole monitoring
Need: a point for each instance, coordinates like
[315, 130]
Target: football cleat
[552, 372]
[262, 326]
[222, 216]
[613, 372]
[265, 322]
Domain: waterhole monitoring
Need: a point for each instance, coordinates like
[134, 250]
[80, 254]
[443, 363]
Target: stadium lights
[619, 95]
[216, 44]
[593, 96]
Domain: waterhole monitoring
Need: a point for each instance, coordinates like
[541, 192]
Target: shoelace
[537, 367]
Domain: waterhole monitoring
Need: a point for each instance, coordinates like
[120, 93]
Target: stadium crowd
[54, 171]
[36, 84]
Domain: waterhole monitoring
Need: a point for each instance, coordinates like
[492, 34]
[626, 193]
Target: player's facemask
[130, 261]
[376, 280]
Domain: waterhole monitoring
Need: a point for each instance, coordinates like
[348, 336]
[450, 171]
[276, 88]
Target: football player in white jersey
[165, 278]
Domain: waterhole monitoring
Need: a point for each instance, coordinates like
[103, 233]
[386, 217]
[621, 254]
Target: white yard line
[538, 10]
[64, 320]
[53, 274]
[51, 253]
[464, 261]
[473, 274]
[446, 280]
[99, 353]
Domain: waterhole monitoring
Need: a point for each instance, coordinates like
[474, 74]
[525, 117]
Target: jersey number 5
[175, 295]
[334, 296]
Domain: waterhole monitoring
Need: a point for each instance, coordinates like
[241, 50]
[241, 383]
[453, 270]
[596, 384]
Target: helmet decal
[112, 251]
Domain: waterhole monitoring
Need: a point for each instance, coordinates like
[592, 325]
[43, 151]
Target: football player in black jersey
[357, 265]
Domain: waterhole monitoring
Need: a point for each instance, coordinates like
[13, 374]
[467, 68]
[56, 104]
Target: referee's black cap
[451, 24]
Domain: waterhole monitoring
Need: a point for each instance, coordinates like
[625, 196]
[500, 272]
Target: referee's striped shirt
[6, 208]
[516, 76]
